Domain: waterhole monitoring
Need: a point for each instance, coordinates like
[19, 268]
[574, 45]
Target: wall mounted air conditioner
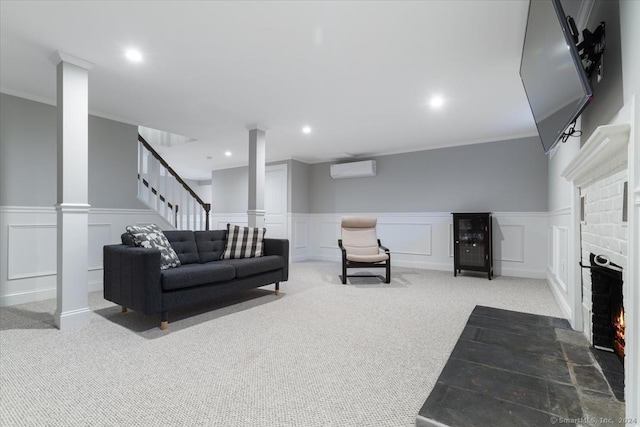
[353, 169]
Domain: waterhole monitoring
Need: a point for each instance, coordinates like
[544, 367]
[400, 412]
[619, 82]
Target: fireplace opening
[607, 305]
[618, 325]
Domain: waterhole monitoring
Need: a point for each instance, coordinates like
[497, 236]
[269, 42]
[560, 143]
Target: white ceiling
[359, 73]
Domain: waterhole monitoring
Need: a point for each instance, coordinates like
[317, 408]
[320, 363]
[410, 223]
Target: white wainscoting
[28, 248]
[418, 240]
[26, 259]
[424, 240]
[558, 247]
[520, 244]
[300, 239]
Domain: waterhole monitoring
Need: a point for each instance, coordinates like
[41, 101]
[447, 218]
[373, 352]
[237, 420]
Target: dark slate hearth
[613, 369]
[510, 368]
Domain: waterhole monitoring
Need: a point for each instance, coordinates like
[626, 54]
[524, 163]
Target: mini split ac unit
[353, 169]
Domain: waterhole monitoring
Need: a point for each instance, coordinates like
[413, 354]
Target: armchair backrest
[359, 235]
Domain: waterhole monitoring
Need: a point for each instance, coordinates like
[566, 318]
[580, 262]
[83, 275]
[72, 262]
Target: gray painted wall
[27, 153]
[502, 176]
[28, 150]
[230, 190]
[113, 164]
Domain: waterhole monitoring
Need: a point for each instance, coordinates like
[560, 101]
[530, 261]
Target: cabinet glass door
[471, 237]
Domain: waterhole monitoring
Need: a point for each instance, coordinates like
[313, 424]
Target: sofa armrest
[278, 247]
[132, 277]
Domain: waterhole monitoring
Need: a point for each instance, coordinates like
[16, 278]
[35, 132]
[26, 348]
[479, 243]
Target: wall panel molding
[408, 238]
[300, 233]
[31, 250]
[511, 246]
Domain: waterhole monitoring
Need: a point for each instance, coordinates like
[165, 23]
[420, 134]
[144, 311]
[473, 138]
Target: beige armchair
[361, 247]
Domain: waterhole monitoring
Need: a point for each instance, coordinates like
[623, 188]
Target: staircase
[162, 189]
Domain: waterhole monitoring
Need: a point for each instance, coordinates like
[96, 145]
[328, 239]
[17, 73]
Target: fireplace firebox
[607, 305]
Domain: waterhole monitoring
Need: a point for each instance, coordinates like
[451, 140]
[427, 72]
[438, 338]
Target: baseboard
[41, 295]
[26, 297]
[526, 274]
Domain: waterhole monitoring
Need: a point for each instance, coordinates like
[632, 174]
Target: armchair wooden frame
[353, 264]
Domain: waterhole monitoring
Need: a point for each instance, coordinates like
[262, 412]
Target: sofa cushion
[151, 236]
[210, 244]
[250, 266]
[196, 274]
[243, 242]
[184, 244]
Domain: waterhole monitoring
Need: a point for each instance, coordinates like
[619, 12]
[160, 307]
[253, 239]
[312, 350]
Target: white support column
[72, 200]
[257, 142]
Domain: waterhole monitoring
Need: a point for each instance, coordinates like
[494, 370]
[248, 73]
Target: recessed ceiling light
[436, 101]
[306, 130]
[133, 55]
[227, 153]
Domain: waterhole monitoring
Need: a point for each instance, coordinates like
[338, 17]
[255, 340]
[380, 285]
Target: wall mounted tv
[552, 73]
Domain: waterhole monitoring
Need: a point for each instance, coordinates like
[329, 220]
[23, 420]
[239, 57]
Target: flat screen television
[552, 73]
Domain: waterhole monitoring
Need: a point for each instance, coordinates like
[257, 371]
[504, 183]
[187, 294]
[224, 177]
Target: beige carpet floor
[320, 354]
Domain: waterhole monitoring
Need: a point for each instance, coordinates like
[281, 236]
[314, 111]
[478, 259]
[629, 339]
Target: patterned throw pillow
[150, 236]
[243, 242]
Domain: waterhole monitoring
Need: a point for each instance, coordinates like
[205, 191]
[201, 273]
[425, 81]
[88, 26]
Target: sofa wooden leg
[124, 309]
[164, 320]
[277, 289]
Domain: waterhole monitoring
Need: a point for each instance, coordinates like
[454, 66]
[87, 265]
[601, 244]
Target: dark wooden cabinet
[472, 245]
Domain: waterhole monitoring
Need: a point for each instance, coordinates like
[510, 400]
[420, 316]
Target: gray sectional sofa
[134, 280]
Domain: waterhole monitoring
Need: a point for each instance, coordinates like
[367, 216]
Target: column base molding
[72, 319]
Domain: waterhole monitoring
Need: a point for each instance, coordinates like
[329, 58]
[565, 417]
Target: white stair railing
[162, 189]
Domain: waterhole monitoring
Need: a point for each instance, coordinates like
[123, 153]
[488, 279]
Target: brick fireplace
[604, 232]
[600, 175]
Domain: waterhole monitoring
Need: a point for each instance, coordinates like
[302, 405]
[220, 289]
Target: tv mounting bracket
[591, 48]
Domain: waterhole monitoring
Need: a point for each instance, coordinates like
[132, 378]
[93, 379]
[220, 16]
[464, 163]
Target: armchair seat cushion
[367, 258]
[361, 247]
[196, 274]
[249, 266]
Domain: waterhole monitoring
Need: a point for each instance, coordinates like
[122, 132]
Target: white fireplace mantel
[604, 153]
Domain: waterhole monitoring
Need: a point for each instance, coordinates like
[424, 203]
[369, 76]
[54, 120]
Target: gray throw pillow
[151, 236]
